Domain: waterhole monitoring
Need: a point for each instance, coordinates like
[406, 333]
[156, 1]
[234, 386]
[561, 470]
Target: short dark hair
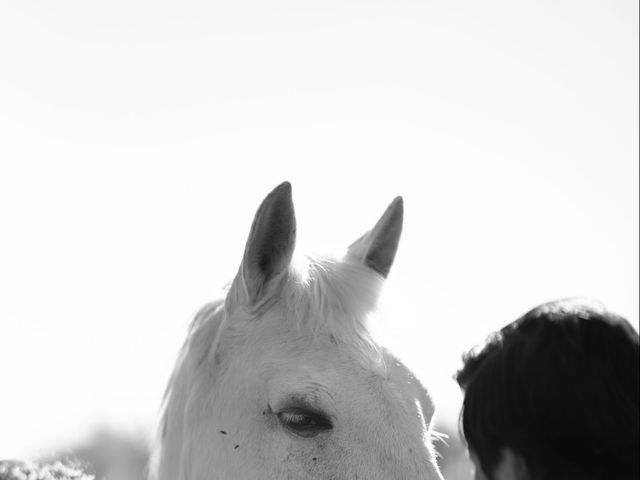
[560, 387]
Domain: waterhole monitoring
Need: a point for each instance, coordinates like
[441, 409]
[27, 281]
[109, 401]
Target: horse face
[284, 405]
[282, 381]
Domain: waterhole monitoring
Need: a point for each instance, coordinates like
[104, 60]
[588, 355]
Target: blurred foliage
[112, 456]
[46, 471]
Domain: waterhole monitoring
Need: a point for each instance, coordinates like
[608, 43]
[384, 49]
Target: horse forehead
[326, 368]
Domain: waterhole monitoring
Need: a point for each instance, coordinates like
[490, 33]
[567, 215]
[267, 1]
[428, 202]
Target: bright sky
[137, 139]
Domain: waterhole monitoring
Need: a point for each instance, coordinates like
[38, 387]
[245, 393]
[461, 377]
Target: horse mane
[333, 299]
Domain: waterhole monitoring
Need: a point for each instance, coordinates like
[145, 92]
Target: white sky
[137, 138]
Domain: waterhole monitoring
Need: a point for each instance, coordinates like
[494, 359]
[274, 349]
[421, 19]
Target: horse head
[282, 380]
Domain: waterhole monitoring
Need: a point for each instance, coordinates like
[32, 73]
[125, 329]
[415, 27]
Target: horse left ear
[377, 248]
[269, 247]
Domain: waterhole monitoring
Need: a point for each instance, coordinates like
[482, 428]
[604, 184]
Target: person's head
[554, 395]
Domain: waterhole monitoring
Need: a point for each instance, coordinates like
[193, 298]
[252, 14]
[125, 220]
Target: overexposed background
[137, 139]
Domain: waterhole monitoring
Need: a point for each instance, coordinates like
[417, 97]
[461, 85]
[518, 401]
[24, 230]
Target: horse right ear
[269, 248]
[377, 248]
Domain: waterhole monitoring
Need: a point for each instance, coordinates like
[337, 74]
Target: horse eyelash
[295, 416]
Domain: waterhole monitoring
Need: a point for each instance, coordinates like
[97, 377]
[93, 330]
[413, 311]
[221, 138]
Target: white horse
[281, 379]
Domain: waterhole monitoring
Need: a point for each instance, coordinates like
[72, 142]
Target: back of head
[559, 387]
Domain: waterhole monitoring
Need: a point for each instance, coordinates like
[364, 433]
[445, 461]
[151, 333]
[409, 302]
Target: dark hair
[560, 387]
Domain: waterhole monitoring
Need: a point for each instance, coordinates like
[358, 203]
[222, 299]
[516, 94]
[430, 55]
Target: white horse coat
[281, 380]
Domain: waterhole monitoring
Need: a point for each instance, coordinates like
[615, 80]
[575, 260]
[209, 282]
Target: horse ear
[377, 248]
[269, 247]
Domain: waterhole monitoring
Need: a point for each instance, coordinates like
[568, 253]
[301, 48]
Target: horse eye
[304, 423]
